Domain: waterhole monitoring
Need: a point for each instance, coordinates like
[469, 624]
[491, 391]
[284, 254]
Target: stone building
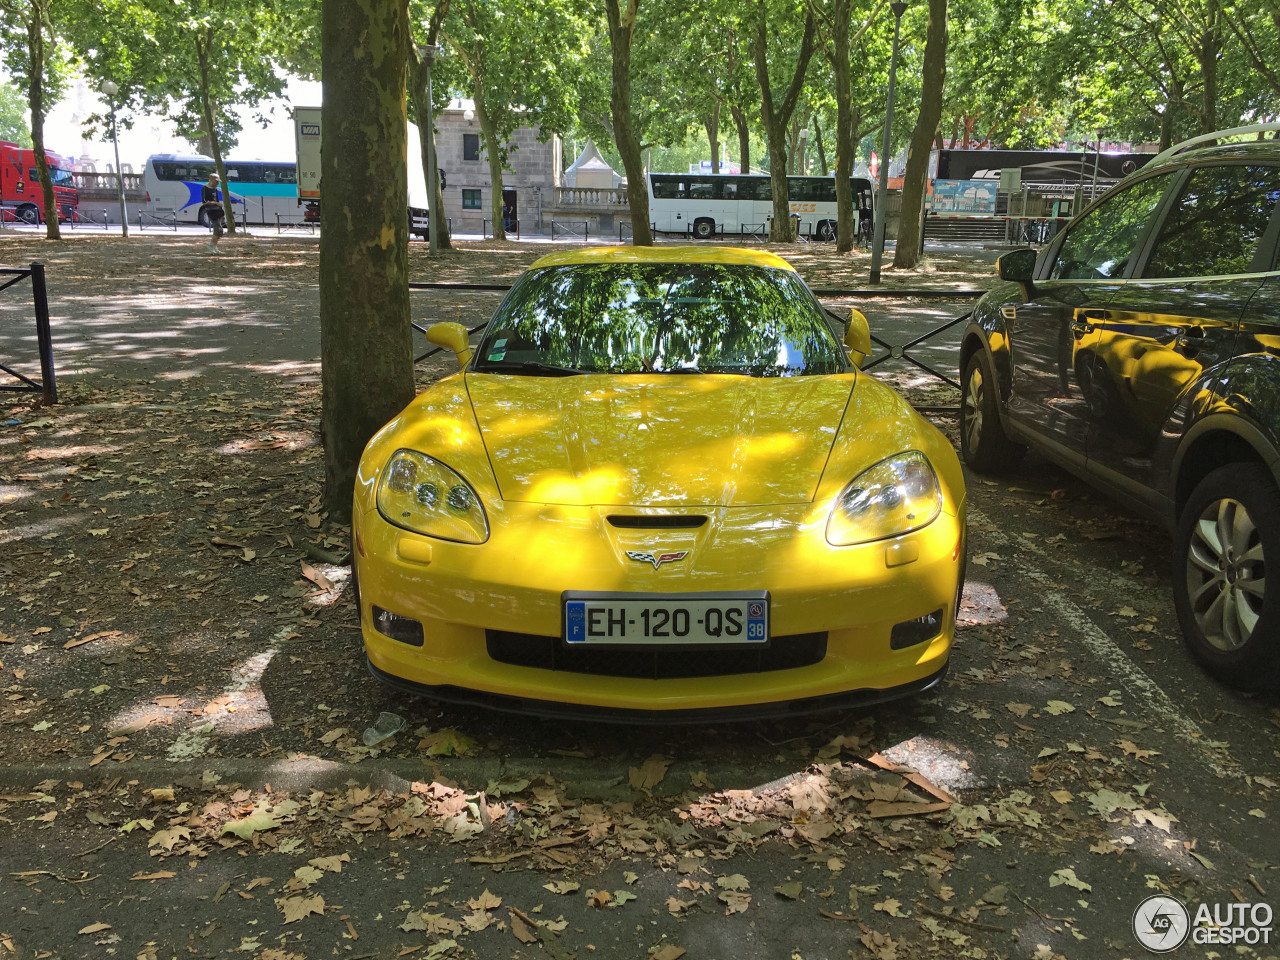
[529, 185]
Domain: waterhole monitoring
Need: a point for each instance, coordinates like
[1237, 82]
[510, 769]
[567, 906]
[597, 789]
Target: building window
[471, 200]
[471, 146]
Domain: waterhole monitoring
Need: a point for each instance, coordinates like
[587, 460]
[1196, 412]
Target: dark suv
[1141, 350]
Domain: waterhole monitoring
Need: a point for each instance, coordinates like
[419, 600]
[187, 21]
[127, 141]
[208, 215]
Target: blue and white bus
[260, 189]
[704, 204]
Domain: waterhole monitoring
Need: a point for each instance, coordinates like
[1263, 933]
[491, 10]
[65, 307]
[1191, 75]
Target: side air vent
[658, 522]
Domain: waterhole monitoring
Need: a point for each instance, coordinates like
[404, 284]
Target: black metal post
[43, 338]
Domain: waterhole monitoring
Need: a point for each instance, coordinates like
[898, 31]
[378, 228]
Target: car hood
[658, 440]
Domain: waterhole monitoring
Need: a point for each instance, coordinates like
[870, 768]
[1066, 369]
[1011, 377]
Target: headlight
[423, 495]
[895, 496]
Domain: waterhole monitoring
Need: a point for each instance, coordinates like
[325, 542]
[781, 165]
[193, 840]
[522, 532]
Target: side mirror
[857, 338]
[1019, 266]
[455, 337]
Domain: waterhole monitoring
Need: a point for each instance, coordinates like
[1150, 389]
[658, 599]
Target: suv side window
[1217, 224]
[1100, 245]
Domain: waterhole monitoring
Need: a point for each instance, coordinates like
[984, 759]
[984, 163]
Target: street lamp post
[429, 52]
[877, 246]
[110, 89]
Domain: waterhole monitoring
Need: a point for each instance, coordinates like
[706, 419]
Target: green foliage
[518, 76]
[13, 116]
[189, 59]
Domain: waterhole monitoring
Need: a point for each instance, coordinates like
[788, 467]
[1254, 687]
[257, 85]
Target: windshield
[660, 318]
[61, 178]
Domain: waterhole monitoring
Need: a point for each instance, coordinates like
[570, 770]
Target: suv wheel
[985, 445]
[1230, 524]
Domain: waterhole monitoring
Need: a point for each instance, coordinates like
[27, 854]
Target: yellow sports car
[660, 486]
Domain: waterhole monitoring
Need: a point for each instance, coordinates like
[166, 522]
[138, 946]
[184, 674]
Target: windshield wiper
[536, 367]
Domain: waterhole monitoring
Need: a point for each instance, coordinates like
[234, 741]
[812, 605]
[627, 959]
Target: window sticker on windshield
[499, 349]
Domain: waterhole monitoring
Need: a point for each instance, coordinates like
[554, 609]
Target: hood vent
[657, 522]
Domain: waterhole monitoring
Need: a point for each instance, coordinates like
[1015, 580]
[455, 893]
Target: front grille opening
[658, 662]
[657, 522]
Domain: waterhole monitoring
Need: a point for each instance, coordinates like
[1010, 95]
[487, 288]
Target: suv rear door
[1164, 332]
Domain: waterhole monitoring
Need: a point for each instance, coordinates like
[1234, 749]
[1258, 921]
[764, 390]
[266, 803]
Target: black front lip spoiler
[574, 711]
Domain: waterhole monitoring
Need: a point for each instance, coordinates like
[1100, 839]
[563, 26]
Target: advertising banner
[964, 198]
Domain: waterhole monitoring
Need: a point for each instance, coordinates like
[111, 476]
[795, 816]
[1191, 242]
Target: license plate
[737, 617]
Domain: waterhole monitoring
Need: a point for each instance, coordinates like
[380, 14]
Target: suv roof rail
[1204, 138]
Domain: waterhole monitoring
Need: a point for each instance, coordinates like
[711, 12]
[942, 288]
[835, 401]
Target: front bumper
[572, 711]
[514, 583]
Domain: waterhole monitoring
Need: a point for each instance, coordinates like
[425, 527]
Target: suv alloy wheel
[1230, 524]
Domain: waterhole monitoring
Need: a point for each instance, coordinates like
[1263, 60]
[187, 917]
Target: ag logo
[1161, 924]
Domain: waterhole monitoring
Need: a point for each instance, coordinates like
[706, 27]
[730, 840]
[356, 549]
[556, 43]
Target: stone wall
[532, 175]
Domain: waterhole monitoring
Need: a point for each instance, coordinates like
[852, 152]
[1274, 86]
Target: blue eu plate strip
[576, 620]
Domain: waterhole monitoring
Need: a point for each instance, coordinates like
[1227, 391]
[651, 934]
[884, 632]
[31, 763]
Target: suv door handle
[1078, 329]
[1192, 340]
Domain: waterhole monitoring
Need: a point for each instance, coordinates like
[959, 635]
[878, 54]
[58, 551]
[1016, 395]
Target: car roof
[664, 254]
[1248, 150]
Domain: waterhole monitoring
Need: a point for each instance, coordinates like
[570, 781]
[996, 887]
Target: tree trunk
[839, 59]
[366, 346]
[907, 252]
[622, 25]
[1166, 119]
[744, 138]
[426, 139]
[822, 150]
[494, 156]
[1210, 48]
[712, 122]
[777, 117]
[35, 99]
[207, 111]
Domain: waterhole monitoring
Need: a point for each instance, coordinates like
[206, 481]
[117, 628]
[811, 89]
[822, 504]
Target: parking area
[185, 701]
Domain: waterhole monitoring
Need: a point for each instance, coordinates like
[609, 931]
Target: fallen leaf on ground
[649, 774]
[295, 908]
[1068, 877]
[521, 930]
[158, 875]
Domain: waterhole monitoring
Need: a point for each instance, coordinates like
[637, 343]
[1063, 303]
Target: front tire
[983, 442]
[704, 229]
[29, 213]
[1230, 525]
[202, 218]
[826, 230]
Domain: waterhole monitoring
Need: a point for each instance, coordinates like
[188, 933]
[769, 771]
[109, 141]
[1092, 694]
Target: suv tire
[1230, 524]
[985, 445]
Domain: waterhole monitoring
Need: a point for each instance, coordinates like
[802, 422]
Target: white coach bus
[707, 205]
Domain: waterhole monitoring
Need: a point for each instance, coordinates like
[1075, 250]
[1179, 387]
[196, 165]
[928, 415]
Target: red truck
[21, 197]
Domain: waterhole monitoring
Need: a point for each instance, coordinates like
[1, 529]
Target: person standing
[211, 209]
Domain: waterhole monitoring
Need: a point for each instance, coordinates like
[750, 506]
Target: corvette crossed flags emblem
[657, 559]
